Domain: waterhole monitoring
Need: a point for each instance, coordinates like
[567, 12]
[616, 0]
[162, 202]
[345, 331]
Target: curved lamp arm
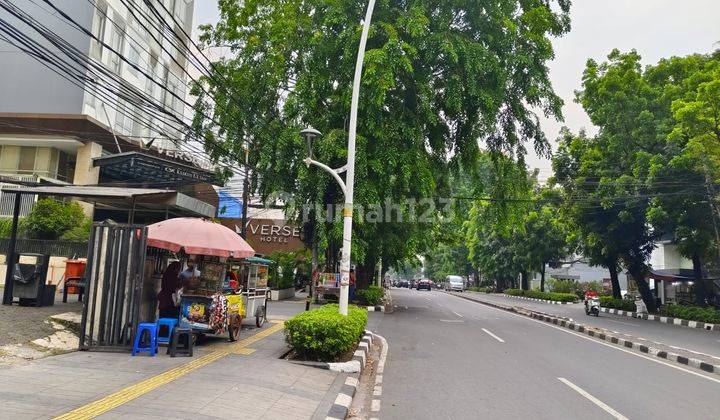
[329, 170]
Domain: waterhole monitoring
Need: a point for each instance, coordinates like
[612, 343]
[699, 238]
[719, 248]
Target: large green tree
[439, 78]
[650, 170]
[686, 174]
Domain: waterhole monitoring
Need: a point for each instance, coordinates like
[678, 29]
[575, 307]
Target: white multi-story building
[62, 115]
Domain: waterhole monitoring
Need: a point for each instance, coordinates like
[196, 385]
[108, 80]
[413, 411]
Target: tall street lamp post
[349, 169]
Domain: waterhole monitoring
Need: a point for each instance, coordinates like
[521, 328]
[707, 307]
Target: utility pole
[348, 185]
[246, 195]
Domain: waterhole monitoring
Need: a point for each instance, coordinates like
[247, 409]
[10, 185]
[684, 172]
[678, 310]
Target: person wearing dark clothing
[170, 284]
[351, 293]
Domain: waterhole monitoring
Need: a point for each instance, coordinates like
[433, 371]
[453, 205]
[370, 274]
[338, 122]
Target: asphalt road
[707, 342]
[451, 358]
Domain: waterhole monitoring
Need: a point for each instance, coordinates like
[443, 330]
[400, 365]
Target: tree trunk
[542, 277]
[476, 277]
[524, 279]
[612, 267]
[699, 286]
[365, 274]
[644, 289]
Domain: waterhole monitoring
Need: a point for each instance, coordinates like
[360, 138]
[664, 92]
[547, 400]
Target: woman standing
[170, 285]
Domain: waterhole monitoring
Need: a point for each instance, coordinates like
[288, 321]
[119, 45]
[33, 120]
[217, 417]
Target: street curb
[377, 308]
[664, 319]
[341, 406]
[662, 354]
[552, 302]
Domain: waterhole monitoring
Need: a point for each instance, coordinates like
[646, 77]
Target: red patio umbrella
[198, 236]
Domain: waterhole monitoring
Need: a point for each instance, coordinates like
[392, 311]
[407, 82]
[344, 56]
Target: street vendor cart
[213, 302]
[328, 286]
[253, 276]
[212, 305]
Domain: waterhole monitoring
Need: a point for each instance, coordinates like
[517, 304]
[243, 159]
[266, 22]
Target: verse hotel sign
[267, 236]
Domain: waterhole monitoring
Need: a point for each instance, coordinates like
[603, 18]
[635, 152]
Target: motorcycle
[592, 306]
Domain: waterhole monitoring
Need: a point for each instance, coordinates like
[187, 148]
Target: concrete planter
[282, 293]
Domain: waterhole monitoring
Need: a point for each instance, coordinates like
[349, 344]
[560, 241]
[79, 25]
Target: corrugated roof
[88, 191]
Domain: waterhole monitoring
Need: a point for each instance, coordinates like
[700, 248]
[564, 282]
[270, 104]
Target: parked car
[424, 284]
[454, 284]
[403, 283]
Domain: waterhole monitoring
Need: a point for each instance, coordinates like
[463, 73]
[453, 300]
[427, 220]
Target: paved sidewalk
[245, 380]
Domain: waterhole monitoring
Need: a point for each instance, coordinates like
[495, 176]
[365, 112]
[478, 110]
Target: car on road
[454, 284]
[403, 283]
[424, 284]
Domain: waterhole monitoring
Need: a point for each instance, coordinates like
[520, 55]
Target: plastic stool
[152, 329]
[186, 336]
[168, 323]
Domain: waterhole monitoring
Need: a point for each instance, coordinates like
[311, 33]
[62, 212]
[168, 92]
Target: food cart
[253, 276]
[328, 285]
[211, 305]
[213, 302]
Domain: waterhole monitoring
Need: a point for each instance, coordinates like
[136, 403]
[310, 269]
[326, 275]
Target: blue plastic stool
[170, 324]
[152, 329]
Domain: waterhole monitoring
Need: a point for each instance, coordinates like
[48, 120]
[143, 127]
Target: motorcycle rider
[590, 294]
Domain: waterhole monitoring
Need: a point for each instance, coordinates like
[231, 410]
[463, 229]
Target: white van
[454, 284]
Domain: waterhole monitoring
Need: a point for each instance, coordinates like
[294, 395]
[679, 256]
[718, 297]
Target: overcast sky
[655, 28]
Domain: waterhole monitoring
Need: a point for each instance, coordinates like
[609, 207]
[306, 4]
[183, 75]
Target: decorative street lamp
[349, 184]
[310, 134]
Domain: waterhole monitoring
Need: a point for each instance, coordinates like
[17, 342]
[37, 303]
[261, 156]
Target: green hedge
[536, 294]
[323, 334]
[371, 296]
[691, 313]
[479, 289]
[622, 304]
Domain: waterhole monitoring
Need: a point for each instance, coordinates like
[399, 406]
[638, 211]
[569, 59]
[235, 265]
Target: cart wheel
[234, 327]
[260, 317]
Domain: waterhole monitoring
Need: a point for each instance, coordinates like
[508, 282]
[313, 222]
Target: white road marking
[375, 405]
[606, 344]
[594, 400]
[493, 336]
[454, 321]
[624, 323]
[457, 314]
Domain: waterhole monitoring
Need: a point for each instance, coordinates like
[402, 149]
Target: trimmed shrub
[479, 289]
[535, 294]
[621, 304]
[691, 313]
[371, 296]
[323, 334]
[564, 286]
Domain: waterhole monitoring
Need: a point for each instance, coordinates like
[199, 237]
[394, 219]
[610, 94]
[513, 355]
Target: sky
[655, 28]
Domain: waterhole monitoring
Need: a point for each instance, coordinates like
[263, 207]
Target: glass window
[124, 119]
[98, 29]
[54, 159]
[150, 86]
[117, 42]
[42, 161]
[133, 57]
[180, 10]
[9, 156]
[27, 159]
[140, 128]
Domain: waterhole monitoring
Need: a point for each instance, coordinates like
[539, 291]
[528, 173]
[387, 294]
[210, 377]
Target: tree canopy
[439, 80]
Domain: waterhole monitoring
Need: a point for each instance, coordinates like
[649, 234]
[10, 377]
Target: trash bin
[29, 280]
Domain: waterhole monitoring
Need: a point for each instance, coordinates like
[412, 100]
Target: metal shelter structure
[117, 197]
[114, 283]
